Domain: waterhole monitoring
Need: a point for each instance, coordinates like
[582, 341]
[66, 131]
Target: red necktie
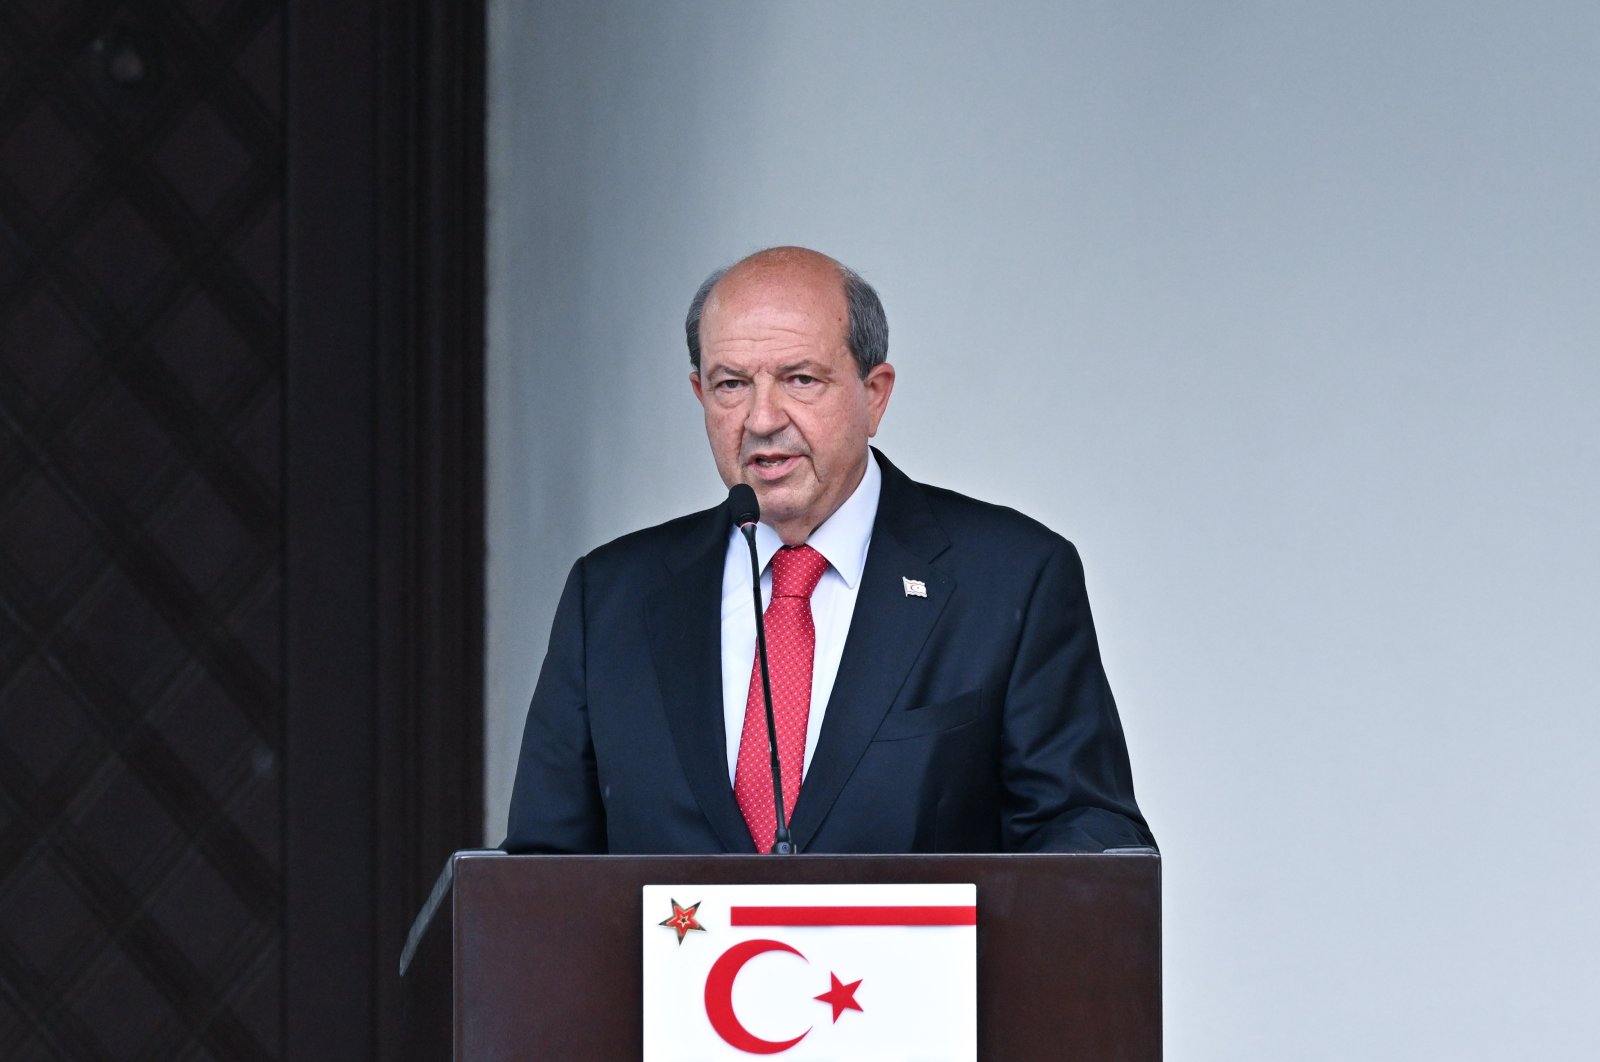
[791, 647]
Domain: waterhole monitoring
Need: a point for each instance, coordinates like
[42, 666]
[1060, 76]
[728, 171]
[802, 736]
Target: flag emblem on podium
[811, 972]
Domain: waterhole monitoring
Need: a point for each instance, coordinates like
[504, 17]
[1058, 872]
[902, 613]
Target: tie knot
[796, 571]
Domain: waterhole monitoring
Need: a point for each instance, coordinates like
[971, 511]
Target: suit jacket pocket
[930, 718]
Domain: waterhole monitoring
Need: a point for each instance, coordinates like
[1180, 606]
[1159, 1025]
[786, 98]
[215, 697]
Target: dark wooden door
[240, 520]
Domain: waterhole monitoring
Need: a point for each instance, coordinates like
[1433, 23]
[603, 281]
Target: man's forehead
[772, 339]
[774, 310]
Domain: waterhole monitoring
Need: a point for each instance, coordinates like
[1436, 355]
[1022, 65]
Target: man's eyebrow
[808, 366]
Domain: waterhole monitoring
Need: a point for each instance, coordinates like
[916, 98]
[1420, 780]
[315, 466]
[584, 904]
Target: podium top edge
[728, 858]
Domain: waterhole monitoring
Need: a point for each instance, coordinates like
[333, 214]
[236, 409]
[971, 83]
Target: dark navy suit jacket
[976, 719]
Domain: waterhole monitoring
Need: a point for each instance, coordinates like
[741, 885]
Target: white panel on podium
[810, 971]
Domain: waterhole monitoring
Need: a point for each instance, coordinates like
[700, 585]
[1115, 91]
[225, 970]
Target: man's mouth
[768, 465]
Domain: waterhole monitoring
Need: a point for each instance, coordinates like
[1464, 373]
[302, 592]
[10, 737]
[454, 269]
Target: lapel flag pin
[915, 587]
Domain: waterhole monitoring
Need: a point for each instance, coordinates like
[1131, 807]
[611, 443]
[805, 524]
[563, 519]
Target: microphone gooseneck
[746, 514]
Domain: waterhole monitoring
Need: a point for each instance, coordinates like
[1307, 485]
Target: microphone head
[743, 505]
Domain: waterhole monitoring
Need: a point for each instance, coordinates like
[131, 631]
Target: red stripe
[853, 916]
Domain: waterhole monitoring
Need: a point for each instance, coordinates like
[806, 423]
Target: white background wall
[1286, 313]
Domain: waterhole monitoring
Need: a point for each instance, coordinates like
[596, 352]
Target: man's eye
[729, 385]
[802, 379]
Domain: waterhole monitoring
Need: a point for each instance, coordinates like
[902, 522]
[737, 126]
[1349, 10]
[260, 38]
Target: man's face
[786, 409]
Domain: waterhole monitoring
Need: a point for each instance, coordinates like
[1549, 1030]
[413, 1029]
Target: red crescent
[719, 998]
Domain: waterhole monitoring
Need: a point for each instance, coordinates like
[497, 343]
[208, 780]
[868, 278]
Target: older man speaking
[936, 684]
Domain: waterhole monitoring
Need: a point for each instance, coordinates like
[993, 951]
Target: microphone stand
[781, 844]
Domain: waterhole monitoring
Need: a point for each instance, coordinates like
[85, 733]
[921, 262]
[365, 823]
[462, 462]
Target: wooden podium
[547, 950]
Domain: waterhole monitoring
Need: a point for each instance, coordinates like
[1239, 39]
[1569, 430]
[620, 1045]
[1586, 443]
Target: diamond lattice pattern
[141, 363]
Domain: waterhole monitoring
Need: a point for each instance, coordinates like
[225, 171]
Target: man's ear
[694, 385]
[879, 383]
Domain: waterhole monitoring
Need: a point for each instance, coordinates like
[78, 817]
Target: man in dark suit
[940, 689]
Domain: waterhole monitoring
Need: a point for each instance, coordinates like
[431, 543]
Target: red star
[682, 920]
[841, 997]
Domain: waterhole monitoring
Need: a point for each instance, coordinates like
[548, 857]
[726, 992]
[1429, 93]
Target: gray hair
[869, 328]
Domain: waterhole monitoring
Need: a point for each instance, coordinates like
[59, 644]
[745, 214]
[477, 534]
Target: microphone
[746, 514]
[746, 510]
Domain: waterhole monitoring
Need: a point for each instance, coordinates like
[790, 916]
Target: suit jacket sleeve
[555, 801]
[1064, 761]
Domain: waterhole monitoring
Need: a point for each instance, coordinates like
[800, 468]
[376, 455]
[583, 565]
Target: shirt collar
[842, 538]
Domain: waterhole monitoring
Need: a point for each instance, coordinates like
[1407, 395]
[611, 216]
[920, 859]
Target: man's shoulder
[659, 543]
[959, 512]
[973, 522]
[997, 551]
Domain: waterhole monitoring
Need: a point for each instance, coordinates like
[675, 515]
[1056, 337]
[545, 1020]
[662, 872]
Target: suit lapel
[887, 632]
[685, 629]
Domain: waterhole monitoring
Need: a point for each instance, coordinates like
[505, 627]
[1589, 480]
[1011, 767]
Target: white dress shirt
[843, 539]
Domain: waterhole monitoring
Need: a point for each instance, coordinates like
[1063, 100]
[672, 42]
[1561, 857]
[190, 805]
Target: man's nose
[767, 414]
